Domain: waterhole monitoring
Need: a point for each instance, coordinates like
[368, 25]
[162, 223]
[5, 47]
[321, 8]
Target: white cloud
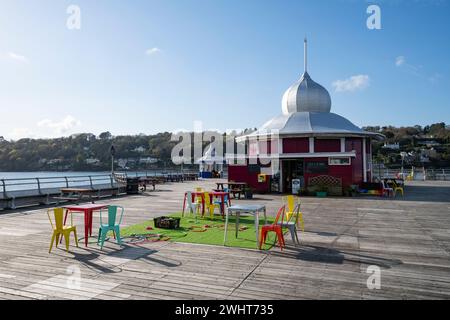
[19, 133]
[60, 127]
[399, 61]
[152, 51]
[354, 83]
[18, 57]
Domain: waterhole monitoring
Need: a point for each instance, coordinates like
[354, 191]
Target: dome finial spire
[306, 54]
[306, 95]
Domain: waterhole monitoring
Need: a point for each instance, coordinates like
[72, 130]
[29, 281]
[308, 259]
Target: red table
[222, 195]
[195, 194]
[88, 210]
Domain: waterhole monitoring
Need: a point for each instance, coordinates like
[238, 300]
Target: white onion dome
[306, 96]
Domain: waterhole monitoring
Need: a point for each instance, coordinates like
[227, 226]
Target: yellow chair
[397, 188]
[291, 202]
[210, 205]
[60, 230]
[199, 199]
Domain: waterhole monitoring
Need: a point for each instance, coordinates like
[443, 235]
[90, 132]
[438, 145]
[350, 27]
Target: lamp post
[403, 155]
[113, 153]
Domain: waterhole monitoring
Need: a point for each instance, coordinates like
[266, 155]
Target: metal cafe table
[254, 209]
[88, 210]
[195, 194]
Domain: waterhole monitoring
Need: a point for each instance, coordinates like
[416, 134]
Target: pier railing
[417, 173]
[42, 185]
[15, 192]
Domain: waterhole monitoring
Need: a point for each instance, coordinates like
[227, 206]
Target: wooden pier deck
[408, 239]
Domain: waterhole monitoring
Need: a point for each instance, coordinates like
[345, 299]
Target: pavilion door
[292, 169]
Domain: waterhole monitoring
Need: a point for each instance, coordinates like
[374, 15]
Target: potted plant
[353, 190]
[322, 191]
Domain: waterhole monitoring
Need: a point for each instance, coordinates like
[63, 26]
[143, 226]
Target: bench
[144, 182]
[76, 194]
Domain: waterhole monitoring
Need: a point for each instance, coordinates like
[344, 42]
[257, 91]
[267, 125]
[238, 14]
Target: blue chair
[111, 226]
[218, 201]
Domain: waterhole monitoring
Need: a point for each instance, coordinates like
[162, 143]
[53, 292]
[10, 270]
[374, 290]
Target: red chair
[275, 227]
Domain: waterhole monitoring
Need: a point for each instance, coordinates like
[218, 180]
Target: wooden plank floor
[407, 238]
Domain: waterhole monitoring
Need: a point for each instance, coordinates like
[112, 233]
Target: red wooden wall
[357, 163]
[238, 173]
[327, 145]
[296, 145]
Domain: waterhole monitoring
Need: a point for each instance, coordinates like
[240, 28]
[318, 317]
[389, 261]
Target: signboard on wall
[317, 167]
[339, 161]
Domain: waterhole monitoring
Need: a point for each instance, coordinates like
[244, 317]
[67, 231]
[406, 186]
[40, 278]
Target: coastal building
[140, 149]
[392, 146]
[93, 161]
[147, 160]
[315, 148]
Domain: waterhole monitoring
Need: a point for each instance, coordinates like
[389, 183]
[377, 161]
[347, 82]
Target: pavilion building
[314, 146]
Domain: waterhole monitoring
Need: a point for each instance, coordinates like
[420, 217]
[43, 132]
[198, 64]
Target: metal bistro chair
[111, 226]
[210, 205]
[197, 198]
[59, 230]
[275, 227]
[292, 202]
[386, 190]
[194, 207]
[396, 188]
[218, 201]
[292, 225]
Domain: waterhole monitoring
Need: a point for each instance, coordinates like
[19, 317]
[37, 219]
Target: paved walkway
[408, 239]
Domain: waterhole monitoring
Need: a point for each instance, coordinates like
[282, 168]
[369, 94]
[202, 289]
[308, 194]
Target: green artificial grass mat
[209, 231]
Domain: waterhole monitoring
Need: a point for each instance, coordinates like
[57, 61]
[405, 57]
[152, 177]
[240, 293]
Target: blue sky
[151, 66]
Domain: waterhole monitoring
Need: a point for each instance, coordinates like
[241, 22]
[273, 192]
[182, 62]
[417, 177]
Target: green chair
[111, 226]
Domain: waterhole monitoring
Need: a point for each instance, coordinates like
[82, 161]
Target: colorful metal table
[88, 210]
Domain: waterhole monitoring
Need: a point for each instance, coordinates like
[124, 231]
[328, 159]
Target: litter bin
[132, 185]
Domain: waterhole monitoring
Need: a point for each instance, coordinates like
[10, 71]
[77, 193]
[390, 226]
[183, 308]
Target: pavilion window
[339, 161]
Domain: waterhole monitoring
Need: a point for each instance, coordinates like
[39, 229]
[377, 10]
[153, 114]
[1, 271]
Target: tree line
[427, 146]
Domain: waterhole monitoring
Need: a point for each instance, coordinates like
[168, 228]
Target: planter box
[167, 222]
[321, 194]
